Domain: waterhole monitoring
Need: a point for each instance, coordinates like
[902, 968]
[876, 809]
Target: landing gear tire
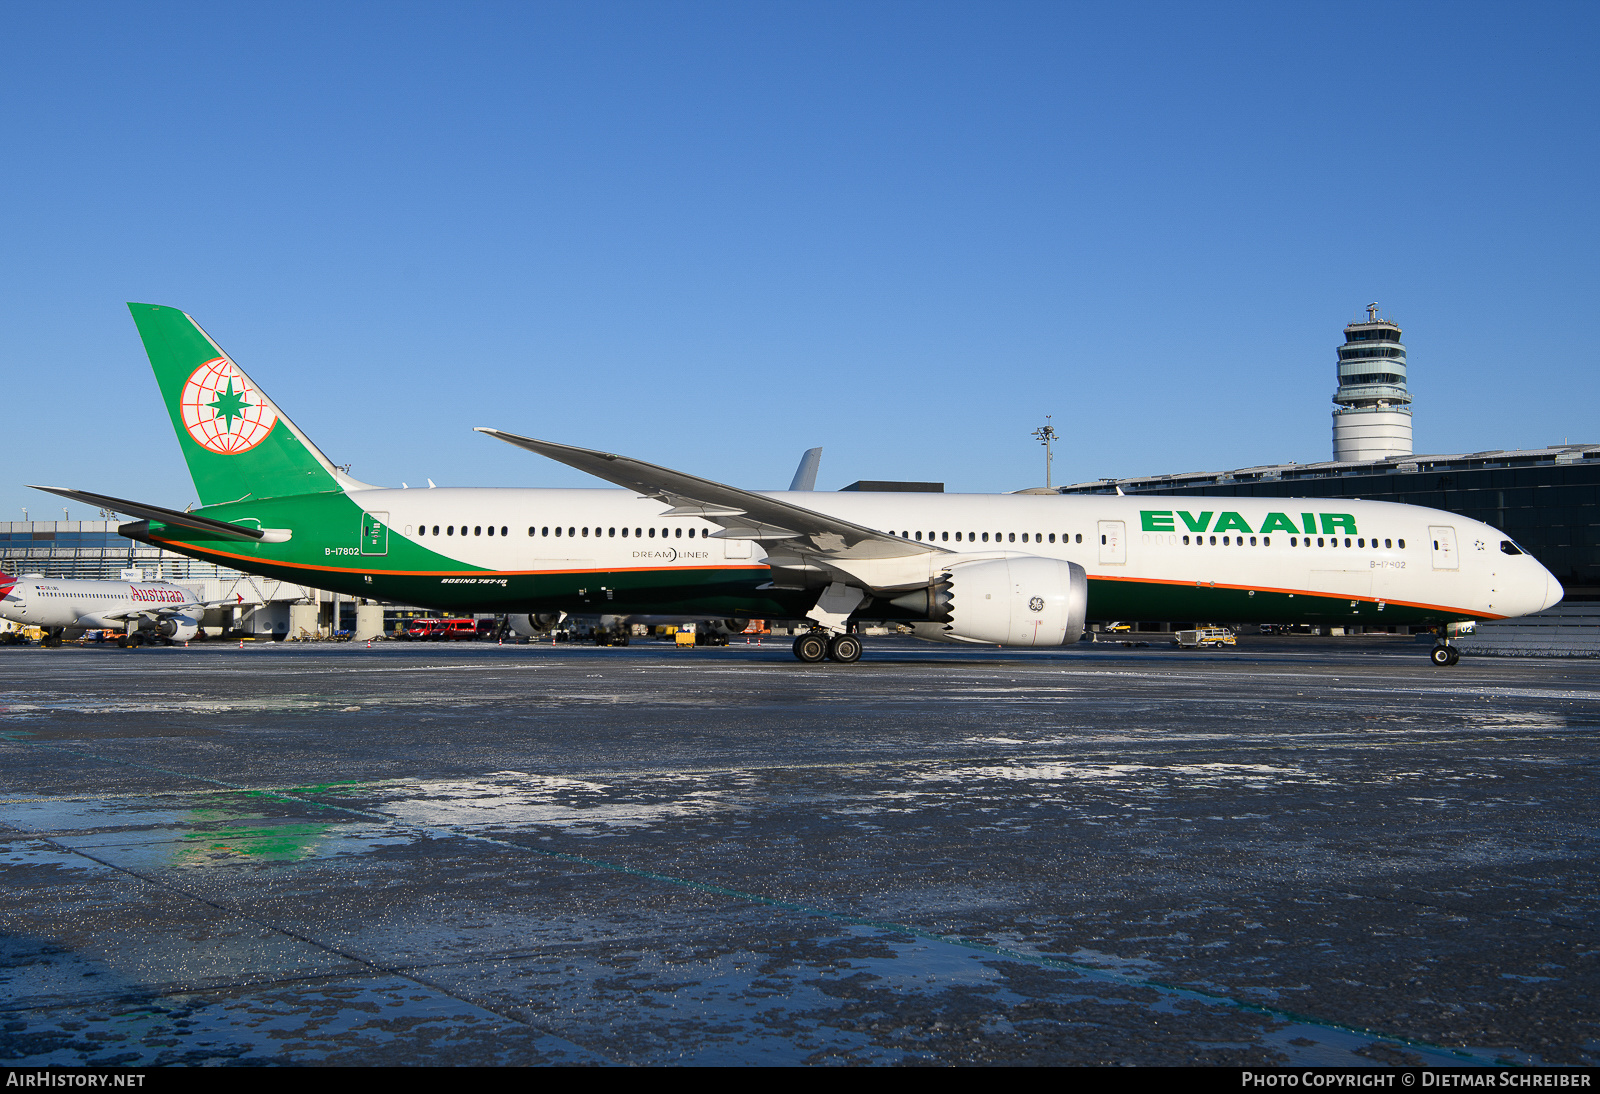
[811, 648]
[1444, 655]
[844, 648]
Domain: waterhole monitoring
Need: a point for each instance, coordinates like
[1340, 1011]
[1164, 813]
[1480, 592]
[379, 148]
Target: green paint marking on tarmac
[274, 843]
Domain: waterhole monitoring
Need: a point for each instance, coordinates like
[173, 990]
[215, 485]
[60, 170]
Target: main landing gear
[1445, 654]
[143, 638]
[813, 647]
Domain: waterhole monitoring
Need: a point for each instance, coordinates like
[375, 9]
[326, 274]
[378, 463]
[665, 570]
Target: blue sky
[714, 235]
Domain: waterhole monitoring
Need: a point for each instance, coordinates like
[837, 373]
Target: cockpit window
[1510, 548]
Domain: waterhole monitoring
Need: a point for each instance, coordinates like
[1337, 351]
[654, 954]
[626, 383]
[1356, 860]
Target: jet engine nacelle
[1018, 601]
[179, 628]
[531, 626]
[727, 626]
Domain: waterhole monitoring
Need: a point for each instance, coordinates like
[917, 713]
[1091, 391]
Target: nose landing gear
[1443, 652]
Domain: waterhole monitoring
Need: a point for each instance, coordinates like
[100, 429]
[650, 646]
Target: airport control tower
[1373, 416]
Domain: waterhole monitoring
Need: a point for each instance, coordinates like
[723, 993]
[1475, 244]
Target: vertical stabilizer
[237, 442]
[805, 476]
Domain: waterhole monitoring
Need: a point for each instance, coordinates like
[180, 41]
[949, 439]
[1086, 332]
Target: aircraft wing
[742, 514]
[155, 512]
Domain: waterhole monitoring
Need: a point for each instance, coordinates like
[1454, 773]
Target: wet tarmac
[1306, 851]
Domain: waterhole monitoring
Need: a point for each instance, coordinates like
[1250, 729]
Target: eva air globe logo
[223, 411]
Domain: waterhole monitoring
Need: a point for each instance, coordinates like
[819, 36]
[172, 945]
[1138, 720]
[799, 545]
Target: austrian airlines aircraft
[1018, 570]
[151, 612]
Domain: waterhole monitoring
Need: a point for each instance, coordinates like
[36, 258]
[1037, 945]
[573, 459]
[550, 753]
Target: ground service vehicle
[1202, 637]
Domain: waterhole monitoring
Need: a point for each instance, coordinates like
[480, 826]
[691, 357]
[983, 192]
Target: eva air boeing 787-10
[1006, 569]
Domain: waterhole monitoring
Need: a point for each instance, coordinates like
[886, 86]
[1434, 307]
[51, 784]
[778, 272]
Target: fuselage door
[1444, 547]
[1113, 542]
[374, 533]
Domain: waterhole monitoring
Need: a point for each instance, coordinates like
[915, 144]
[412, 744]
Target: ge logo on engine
[1036, 604]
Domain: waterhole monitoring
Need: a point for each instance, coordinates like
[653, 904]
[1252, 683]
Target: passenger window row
[546, 530]
[942, 537]
[1294, 541]
[450, 530]
[1333, 541]
[679, 533]
[983, 537]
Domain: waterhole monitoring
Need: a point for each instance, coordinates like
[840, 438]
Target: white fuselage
[87, 605]
[1364, 550]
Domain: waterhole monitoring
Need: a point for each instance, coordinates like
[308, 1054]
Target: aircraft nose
[1553, 592]
[1526, 588]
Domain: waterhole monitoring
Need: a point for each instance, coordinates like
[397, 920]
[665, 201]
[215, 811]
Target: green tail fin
[236, 440]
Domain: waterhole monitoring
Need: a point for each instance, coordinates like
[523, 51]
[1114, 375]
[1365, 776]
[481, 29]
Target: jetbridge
[265, 607]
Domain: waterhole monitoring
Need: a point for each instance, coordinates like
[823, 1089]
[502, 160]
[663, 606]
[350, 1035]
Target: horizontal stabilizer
[165, 516]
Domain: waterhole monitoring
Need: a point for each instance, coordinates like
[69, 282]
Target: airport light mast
[1046, 433]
